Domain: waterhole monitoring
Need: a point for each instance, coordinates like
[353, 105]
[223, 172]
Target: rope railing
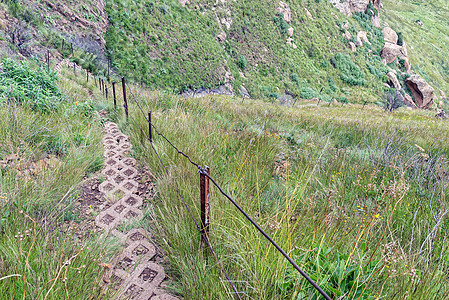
[204, 172]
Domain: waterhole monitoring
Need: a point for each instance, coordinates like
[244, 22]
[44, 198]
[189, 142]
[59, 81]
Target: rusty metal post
[74, 69]
[106, 91]
[124, 98]
[150, 129]
[87, 75]
[205, 207]
[113, 91]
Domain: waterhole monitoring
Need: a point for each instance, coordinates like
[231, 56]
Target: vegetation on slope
[167, 46]
[427, 44]
[45, 152]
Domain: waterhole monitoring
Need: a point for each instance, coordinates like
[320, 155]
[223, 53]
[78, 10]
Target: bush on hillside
[393, 100]
[350, 73]
[242, 62]
[36, 87]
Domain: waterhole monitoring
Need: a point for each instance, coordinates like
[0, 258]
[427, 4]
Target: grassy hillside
[167, 46]
[427, 44]
[49, 143]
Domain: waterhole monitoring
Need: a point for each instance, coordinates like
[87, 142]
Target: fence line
[203, 234]
[203, 172]
[254, 223]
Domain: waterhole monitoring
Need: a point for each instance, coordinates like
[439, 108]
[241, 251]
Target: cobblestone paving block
[133, 272]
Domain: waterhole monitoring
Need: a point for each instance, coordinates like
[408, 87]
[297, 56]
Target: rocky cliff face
[393, 51]
[82, 23]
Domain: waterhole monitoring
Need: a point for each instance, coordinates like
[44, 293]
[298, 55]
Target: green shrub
[242, 62]
[306, 92]
[332, 84]
[350, 73]
[280, 23]
[400, 39]
[35, 87]
[345, 278]
[295, 78]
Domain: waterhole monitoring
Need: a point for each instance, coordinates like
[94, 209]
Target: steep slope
[267, 47]
[429, 42]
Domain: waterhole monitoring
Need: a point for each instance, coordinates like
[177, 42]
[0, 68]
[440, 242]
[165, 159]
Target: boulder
[391, 51]
[408, 101]
[348, 7]
[358, 5]
[375, 20]
[284, 9]
[244, 92]
[421, 90]
[352, 46]
[343, 7]
[377, 4]
[184, 2]
[308, 14]
[390, 35]
[393, 80]
[221, 37]
[362, 38]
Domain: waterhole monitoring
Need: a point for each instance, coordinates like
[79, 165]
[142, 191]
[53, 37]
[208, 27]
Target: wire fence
[201, 226]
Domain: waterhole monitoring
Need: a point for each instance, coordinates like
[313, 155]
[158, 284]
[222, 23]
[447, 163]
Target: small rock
[441, 114]
[352, 46]
[290, 31]
[284, 9]
[347, 35]
[362, 38]
[308, 13]
[393, 80]
[408, 101]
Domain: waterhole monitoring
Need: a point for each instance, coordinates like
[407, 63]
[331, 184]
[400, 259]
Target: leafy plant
[242, 62]
[35, 87]
[337, 274]
[349, 72]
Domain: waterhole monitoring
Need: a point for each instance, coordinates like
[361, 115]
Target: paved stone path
[134, 271]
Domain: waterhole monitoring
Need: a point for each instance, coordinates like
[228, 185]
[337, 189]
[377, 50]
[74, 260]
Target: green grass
[170, 47]
[40, 258]
[426, 45]
[357, 186]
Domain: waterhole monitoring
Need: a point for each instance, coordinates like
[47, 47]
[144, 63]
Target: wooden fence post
[205, 207]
